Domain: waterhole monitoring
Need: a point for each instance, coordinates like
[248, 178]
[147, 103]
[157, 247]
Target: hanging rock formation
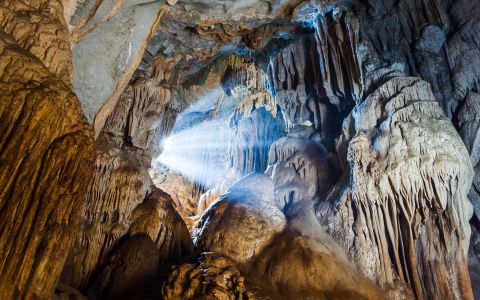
[400, 197]
[122, 199]
[45, 149]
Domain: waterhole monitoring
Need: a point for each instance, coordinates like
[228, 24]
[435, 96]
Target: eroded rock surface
[214, 277]
[242, 221]
[296, 267]
[45, 149]
[122, 199]
[131, 270]
[402, 196]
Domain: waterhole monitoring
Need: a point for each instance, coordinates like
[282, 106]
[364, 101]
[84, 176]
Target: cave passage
[221, 149]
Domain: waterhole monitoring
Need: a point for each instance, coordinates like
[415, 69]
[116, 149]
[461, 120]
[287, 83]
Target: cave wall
[45, 152]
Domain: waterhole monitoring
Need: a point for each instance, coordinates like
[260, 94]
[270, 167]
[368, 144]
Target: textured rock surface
[243, 221]
[469, 121]
[214, 277]
[300, 169]
[239, 86]
[65, 292]
[107, 49]
[184, 195]
[39, 28]
[402, 196]
[45, 147]
[122, 198]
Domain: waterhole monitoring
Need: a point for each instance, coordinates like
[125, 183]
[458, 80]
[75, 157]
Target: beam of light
[199, 153]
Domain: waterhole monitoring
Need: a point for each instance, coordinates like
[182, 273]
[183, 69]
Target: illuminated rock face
[243, 221]
[141, 184]
[401, 196]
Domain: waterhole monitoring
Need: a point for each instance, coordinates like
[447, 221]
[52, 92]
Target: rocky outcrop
[409, 176]
[65, 292]
[243, 221]
[213, 277]
[299, 167]
[469, 121]
[39, 28]
[157, 217]
[296, 267]
[45, 149]
[295, 78]
[184, 193]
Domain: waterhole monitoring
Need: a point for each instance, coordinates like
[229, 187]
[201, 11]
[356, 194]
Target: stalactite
[45, 149]
[405, 210]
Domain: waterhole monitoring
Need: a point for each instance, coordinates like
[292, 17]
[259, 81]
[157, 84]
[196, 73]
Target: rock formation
[386, 138]
[45, 149]
[214, 277]
[243, 221]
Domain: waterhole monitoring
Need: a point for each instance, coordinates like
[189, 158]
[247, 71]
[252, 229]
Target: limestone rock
[45, 153]
[119, 185]
[300, 170]
[65, 292]
[409, 178]
[107, 49]
[469, 121]
[214, 277]
[243, 221]
[184, 194]
[157, 217]
[296, 267]
[40, 29]
[122, 192]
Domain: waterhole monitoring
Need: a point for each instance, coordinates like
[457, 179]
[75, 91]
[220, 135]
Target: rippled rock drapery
[409, 177]
[256, 122]
[45, 149]
[122, 199]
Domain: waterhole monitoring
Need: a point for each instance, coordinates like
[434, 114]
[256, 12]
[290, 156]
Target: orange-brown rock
[122, 199]
[45, 150]
[214, 277]
[297, 267]
[157, 217]
[39, 27]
